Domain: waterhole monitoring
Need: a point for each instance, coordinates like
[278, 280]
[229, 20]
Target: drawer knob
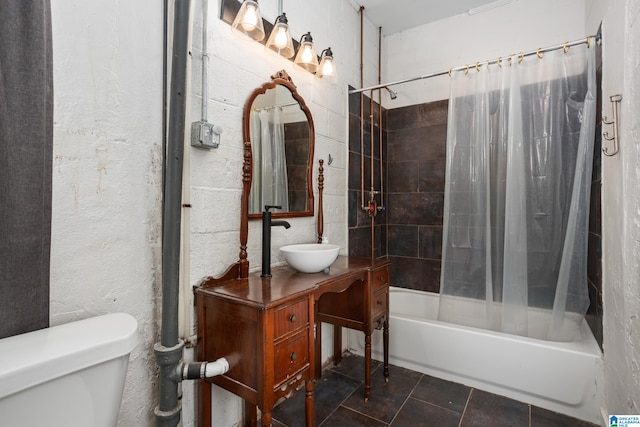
[293, 356]
[293, 318]
[379, 302]
[380, 278]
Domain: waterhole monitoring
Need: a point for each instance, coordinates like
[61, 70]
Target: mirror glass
[279, 126]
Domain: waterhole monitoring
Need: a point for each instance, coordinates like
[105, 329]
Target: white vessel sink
[310, 257]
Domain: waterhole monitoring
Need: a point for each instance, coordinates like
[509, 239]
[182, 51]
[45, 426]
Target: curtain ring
[499, 62]
[540, 54]
[450, 69]
[478, 67]
[510, 58]
[588, 42]
[565, 48]
[466, 71]
[521, 58]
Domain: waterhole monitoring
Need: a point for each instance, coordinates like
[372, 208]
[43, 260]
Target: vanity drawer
[291, 355]
[290, 318]
[379, 303]
[380, 279]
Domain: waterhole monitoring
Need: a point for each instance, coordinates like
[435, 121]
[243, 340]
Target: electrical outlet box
[205, 135]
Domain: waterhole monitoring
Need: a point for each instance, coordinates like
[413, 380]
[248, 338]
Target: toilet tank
[66, 375]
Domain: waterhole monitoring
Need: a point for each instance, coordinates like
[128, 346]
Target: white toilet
[68, 375]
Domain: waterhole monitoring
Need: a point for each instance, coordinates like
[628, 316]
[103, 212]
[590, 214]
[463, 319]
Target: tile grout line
[406, 400]
[343, 400]
[464, 411]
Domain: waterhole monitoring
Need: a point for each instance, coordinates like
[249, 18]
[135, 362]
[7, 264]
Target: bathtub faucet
[266, 238]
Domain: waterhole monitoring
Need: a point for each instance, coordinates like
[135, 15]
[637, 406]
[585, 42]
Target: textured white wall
[621, 205]
[107, 172]
[520, 26]
[105, 252]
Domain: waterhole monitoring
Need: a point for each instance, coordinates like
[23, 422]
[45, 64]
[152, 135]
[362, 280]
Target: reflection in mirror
[280, 129]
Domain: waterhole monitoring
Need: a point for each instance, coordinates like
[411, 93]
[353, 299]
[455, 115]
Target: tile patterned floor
[410, 399]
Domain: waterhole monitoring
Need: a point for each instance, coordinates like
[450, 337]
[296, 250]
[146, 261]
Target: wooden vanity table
[265, 328]
[269, 329]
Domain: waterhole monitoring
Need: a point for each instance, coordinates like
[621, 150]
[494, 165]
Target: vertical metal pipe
[361, 108]
[380, 116]
[205, 59]
[173, 166]
[169, 350]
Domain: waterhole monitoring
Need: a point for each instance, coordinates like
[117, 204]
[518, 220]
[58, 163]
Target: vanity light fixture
[327, 66]
[307, 57]
[280, 39]
[248, 21]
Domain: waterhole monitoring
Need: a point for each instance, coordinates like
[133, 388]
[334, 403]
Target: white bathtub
[559, 376]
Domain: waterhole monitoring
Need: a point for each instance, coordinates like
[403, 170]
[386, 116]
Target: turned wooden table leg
[367, 367]
[385, 340]
[308, 404]
[266, 419]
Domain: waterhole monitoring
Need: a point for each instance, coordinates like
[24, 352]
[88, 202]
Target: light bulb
[327, 68]
[250, 18]
[306, 54]
[281, 37]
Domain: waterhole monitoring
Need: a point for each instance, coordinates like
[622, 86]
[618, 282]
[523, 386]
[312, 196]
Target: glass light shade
[327, 66]
[248, 21]
[280, 38]
[307, 57]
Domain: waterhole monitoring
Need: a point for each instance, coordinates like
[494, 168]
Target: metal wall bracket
[615, 100]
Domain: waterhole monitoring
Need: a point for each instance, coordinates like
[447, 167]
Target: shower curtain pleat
[519, 158]
[26, 139]
[269, 185]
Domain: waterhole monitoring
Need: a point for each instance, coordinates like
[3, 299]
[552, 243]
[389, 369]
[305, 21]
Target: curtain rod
[477, 65]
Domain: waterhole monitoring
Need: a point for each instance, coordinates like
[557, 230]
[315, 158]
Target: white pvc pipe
[216, 368]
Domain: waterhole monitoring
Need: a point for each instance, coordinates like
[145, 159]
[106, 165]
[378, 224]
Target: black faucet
[266, 238]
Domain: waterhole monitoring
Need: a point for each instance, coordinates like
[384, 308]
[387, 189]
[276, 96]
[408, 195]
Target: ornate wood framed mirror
[279, 126]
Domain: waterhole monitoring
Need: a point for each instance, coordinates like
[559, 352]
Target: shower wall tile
[432, 175]
[414, 116]
[595, 216]
[416, 150]
[597, 154]
[434, 113]
[360, 166]
[360, 242]
[404, 177]
[423, 143]
[354, 171]
[354, 133]
[352, 214]
[415, 273]
[416, 208]
[594, 257]
[430, 242]
[404, 240]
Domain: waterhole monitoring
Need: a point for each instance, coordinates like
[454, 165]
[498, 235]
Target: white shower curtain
[519, 159]
[269, 184]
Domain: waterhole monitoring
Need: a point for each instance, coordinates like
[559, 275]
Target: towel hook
[615, 100]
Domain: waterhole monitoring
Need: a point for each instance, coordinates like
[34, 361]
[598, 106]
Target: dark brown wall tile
[432, 175]
[418, 144]
[415, 208]
[403, 240]
[415, 273]
[404, 177]
[430, 242]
